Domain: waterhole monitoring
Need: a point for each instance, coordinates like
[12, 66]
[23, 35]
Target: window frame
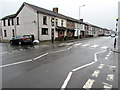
[44, 20]
[18, 21]
[5, 33]
[45, 32]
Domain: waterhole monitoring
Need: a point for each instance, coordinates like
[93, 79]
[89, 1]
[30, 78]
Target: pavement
[84, 64]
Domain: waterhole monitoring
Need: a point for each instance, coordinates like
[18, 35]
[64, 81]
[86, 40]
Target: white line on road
[4, 52]
[112, 67]
[94, 46]
[78, 68]
[89, 83]
[95, 74]
[40, 56]
[106, 57]
[77, 44]
[16, 63]
[104, 47]
[100, 66]
[106, 86]
[110, 77]
[85, 45]
[66, 81]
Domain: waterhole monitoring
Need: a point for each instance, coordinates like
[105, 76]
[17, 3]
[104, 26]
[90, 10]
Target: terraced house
[43, 24]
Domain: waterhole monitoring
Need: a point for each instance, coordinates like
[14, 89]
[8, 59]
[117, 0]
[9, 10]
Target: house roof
[44, 11]
[9, 16]
[48, 12]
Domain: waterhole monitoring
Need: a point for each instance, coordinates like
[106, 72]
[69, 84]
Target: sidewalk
[63, 42]
[116, 50]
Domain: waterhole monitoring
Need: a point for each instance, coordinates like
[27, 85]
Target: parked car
[22, 39]
[107, 34]
[112, 35]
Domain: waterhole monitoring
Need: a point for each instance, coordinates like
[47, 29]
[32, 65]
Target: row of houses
[45, 24]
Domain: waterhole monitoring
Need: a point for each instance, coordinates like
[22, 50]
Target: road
[88, 63]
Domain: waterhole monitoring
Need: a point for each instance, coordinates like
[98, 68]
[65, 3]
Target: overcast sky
[102, 13]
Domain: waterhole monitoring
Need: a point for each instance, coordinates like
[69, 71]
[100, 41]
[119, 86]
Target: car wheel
[20, 43]
[11, 43]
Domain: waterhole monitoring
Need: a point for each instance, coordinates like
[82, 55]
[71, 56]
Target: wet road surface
[84, 64]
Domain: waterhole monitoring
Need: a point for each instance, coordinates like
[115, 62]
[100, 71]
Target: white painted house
[43, 24]
[31, 19]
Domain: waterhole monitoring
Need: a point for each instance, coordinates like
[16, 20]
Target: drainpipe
[38, 26]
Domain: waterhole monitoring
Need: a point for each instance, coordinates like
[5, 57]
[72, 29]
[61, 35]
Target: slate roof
[48, 12]
[9, 16]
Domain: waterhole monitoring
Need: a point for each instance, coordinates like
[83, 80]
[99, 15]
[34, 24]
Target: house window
[56, 22]
[8, 22]
[4, 22]
[5, 33]
[12, 21]
[44, 31]
[61, 22]
[13, 32]
[44, 20]
[17, 20]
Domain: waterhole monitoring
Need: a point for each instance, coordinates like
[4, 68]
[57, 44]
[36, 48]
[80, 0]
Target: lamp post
[79, 18]
[79, 10]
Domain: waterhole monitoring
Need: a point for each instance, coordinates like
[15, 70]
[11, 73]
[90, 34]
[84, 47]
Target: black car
[22, 39]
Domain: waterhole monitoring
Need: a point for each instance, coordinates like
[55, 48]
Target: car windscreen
[18, 37]
[27, 36]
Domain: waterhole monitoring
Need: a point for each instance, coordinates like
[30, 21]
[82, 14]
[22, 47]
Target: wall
[0, 30]
[28, 22]
[8, 30]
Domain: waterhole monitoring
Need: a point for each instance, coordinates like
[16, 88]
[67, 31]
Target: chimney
[81, 20]
[55, 10]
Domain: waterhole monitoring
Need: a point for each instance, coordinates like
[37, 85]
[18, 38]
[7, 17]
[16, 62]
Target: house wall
[70, 24]
[27, 22]
[8, 30]
[48, 25]
[0, 30]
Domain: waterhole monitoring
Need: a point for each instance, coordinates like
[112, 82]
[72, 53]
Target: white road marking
[100, 66]
[95, 74]
[69, 44]
[78, 68]
[104, 47]
[89, 83]
[61, 50]
[15, 63]
[66, 81]
[69, 75]
[40, 56]
[94, 46]
[85, 45]
[4, 52]
[110, 77]
[69, 48]
[109, 53]
[77, 44]
[58, 51]
[95, 57]
[106, 57]
[112, 67]
[106, 86]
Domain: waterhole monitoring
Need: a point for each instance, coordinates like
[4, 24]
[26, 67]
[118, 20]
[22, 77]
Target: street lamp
[79, 17]
[79, 10]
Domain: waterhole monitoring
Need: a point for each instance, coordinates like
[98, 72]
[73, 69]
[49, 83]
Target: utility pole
[79, 20]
